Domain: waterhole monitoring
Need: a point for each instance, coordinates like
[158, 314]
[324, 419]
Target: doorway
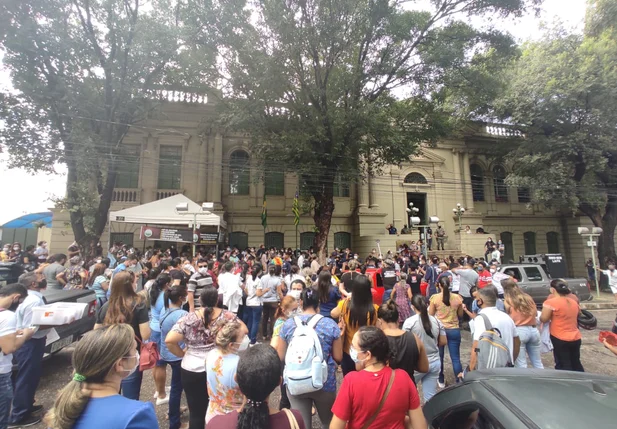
[419, 202]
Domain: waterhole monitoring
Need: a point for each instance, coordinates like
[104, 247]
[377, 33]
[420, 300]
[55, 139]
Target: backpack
[306, 369]
[492, 351]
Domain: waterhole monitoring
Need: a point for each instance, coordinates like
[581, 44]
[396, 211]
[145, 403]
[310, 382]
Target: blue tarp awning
[32, 220]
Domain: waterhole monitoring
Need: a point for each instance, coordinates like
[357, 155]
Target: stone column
[149, 163]
[372, 192]
[466, 178]
[202, 168]
[217, 169]
[458, 178]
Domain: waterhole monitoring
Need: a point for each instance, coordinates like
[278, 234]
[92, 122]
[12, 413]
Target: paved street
[57, 370]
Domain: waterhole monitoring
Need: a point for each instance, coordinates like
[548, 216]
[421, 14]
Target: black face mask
[14, 306]
[42, 284]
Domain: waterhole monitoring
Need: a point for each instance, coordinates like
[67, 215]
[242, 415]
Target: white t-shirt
[455, 284]
[229, 285]
[499, 320]
[497, 278]
[496, 255]
[252, 286]
[612, 279]
[8, 326]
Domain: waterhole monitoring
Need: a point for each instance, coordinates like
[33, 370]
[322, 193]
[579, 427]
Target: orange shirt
[564, 323]
[350, 331]
[522, 319]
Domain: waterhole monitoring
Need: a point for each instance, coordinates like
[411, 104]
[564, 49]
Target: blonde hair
[227, 334]
[94, 357]
[518, 300]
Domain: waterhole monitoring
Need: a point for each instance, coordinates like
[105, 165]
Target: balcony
[166, 193]
[126, 195]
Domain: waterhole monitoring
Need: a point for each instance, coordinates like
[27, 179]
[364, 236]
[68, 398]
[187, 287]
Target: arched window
[239, 173]
[274, 239]
[416, 179]
[477, 182]
[239, 240]
[552, 241]
[530, 242]
[499, 182]
[342, 240]
[307, 240]
[508, 252]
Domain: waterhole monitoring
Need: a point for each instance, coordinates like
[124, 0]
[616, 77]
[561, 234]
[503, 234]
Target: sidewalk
[606, 301]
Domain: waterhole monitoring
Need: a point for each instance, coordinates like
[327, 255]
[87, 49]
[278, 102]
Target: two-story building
[176, 153]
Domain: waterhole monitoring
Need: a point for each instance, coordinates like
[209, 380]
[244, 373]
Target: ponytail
[70, 404]
[158, 286]
[420, 305]
[174, 294]
[444, 284]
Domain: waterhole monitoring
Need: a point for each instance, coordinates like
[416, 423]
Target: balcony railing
[121, 195]
[182, 95]
[502, 131]
[165, 193]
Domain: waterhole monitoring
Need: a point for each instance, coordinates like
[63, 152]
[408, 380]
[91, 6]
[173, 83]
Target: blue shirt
[169, 318]
[117, 412]
[97, 288]
[333, 298]
[327, 331]
[155, 312]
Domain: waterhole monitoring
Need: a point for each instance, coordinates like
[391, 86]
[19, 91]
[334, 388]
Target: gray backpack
[492, 350]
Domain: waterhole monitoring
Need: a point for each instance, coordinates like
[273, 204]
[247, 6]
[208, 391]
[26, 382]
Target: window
[239, 240]
[508, 253]
[274, 181]
[514, 272]
[274, 239]
[124, 237]
[239, 173]
[128, 167]
[477, 182]
[471, 415]
[533, 274]
[342, 240]
[499, 182]
[552, 241]
[530, 243]
[170, 167]
[341, 187]
[307, 240]
[416, 178]
[524, 195]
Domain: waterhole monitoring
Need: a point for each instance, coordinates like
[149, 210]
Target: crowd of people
[235, 327]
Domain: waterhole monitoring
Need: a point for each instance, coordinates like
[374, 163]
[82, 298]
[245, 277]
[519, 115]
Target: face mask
[132, 370]
[493, 270]
[295, 293]
[203, 271]
[353, 353]
[244, 344]
[480, 268]
[15, 248]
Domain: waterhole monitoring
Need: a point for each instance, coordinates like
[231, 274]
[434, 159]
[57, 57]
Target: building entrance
[419, 202]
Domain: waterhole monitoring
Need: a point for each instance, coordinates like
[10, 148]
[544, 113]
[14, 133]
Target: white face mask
[244, 344]
[203, 271]
[353, 354]
[295, 294]
[493, 270]
[15, 248]
[131, 371]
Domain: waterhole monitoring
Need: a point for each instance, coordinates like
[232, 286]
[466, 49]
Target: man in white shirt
[11, 296]
[29, 357]
[497, 278]
[487, 299]
[229, 287]
[611, 273]
[496, 256]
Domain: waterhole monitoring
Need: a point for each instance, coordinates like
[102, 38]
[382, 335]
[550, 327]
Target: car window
[533, 274]
[468, 416]
[514, 272]
[379, 280]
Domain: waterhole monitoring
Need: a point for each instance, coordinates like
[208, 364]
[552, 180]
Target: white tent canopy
[163, 212]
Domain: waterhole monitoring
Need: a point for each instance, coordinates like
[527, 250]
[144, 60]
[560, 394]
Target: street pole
[194, 228]
[590, 237]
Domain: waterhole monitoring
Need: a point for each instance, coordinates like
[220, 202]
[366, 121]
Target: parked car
[377, 289]
[10, 272]
[535, 280]
[525, 398]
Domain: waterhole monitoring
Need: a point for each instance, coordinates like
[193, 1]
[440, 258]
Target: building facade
[179, 153]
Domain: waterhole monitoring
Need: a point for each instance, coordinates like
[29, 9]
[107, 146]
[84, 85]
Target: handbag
[148, 355]
[381, 403]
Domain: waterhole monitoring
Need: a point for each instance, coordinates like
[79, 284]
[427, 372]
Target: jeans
[429, 379]
[6, 396]
[175, 394]
[530, 342]
[386, 295]
[267, 319]
[454, 348]
[252, 317]
[195, 388]
[323, 403]
[131, 385]
[567, 354]
[29, 360]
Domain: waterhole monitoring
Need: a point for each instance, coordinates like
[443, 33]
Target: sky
[22, 192]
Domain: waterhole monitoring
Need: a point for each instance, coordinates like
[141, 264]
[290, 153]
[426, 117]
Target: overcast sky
[21, 192]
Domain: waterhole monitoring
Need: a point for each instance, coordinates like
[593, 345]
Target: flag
[296, 210]
[264, 214]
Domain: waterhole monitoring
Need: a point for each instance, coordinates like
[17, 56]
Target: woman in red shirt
[562, 309]
[359, 401]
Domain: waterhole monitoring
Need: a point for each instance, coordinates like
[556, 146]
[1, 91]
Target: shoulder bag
[293, 423]
[148, 354]
[381, 403]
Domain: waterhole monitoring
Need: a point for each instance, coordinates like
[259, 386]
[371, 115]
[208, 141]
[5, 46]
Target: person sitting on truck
[29, 357]
[101, 360]
[11, 297]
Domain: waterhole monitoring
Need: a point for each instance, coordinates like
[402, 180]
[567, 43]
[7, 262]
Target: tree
[83, 73]
[561, 95]
[339, 89]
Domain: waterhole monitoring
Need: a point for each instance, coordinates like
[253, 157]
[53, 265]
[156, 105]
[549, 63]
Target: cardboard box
[59, 313]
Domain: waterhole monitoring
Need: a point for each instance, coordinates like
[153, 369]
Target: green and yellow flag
[264, 213]
[296, 209]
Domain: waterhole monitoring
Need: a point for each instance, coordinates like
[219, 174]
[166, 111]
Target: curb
[598, 305]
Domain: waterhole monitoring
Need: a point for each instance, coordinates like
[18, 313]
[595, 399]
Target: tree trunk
[606, 242]
[324, 209]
